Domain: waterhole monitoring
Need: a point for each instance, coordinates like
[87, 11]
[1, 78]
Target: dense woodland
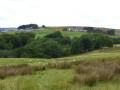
[51, 46]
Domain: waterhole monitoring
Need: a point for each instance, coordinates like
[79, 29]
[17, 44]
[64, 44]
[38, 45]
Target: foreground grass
[52, 80]
[58, 79]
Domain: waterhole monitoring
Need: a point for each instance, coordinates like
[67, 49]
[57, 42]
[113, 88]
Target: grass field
[58, 79]
[42, 33]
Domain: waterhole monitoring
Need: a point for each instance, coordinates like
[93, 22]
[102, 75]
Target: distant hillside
[60, 28]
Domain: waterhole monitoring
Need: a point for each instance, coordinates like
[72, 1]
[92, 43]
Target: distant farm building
[24, 30]
[76, 30]
[2, 30]
[10, 29]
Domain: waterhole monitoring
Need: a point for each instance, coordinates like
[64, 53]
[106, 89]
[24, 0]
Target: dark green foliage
[82, 44]
[66, 40]
[40, 49]
[102, 41]
[51, 46]
[98, 31]
[64, 29]
[53, 49]
[76, 46]
[29, 26]
[87, 42]
[25, 37]
[6, 53]
[54, 35]
[116, 40]
[92, 30]
[43, 26]
[89, 29]
[11, 41]
[111, 32]
[90, 42]
[2, 43]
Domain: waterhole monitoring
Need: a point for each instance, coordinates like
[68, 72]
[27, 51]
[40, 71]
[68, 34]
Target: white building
[76, 30]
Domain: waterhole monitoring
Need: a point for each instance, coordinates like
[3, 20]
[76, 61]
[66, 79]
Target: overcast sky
[97, 13]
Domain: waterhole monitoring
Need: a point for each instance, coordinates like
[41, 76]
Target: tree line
[50, 46]
[92, 30]
[28, 26]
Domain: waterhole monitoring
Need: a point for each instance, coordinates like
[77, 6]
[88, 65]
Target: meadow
[62, 77]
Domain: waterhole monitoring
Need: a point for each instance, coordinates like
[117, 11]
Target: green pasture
[42, 33]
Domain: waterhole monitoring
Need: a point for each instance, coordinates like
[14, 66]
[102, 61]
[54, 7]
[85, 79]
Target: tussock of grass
[91, 72]
[22, 69]
[38, 68]
[64, 65]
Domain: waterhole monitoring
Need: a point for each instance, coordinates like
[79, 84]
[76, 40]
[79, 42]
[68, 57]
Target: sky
[96, 13]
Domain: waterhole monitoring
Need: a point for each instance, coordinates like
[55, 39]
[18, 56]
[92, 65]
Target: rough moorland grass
[22, 69]
[57, 79]
[91, 72]
[64, 65]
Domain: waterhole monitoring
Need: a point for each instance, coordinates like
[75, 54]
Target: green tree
[54, 35]
[53, 49]
[25, 37]
[87, 42]
[43, 26]
[2, 43]
[102, 40]
[11, 40]
[64, 29]
[76, 46]
[89, 29]
[28, 26]
[111, 32]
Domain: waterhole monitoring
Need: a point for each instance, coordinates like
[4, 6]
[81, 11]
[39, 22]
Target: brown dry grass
[91, 72]
[22, 69]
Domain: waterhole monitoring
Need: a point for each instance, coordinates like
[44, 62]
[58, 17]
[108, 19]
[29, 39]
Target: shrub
[56, 34]
[6, 53]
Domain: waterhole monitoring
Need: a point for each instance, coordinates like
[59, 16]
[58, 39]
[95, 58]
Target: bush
[6, 53]
[54, 35]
